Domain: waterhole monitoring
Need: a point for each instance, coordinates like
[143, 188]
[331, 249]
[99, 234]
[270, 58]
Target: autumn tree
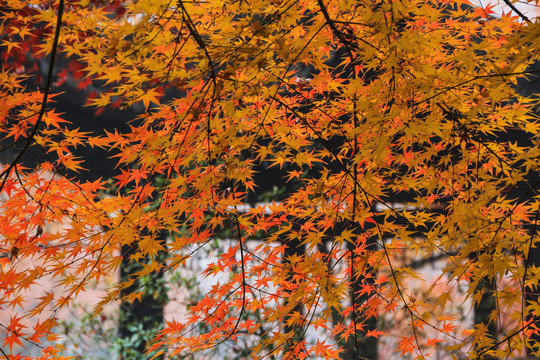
[418, 108]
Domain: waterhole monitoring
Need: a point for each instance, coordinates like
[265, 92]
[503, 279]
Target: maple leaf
[449, 327]
[407, 345]
[359, 109]
[14, 332]
[376, 333]
[53, 119]
[149, 96]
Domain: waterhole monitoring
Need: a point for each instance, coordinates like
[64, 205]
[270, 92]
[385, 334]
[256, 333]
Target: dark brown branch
[514, 9]
[46, 90]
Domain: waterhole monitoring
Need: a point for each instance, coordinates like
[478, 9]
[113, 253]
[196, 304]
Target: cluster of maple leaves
[358, 102]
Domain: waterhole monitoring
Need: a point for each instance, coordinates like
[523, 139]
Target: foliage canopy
[361, 104]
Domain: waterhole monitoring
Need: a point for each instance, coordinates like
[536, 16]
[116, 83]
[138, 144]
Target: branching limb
[48, 84]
